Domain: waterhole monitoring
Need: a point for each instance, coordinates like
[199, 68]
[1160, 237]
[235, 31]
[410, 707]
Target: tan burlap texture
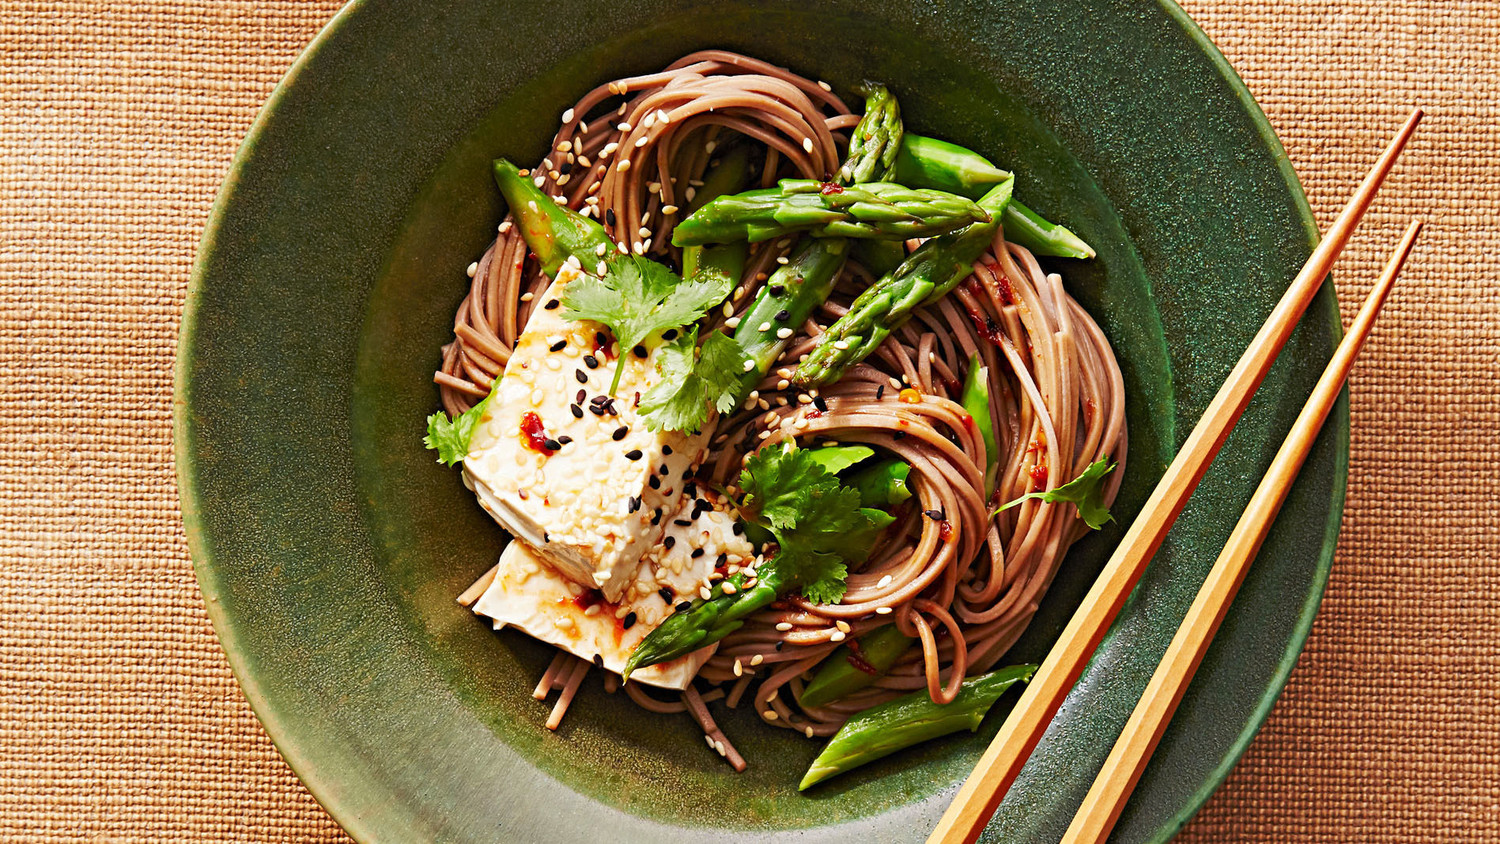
[119, 719]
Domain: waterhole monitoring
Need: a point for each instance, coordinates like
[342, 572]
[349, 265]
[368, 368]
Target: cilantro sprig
[1086, 492]
[637, 297]
[694, 381]
[451, 437]
[811, 514]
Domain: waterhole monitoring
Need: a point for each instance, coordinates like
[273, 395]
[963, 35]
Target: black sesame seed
[777, 290]
[935, 515]
[609, 216]
[639, 351]
[551, 304]
[598, 661]
[558, 346]
[597, 410]
[582, 394]
[723, 559]
[684, 606]
[576, 411]
[738, 529]
[656, 519]
[551, 444]
[565, 168]
[600, 339]
[880, 392]
[668, 542]
[564, 439]
[669, 335]
[666, 449]
[620, 433]
[782, 315]
[590, 361]
[666, 594]
[820, 404]
[583, 377]
[663, 470]
[697, 552]
[635, 504]
[682, 523]
[780, 643]
[899, 435]
[628, 621]
[654, 482]
[690, 490]
[633, 454]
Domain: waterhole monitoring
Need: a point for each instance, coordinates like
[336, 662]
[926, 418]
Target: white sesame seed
[729, 589]
[567, 115]
[662, 116]
[732, 322]
[564, 179]
[640, 249]
[728, 309]
[807, 731]
[782, 260]
[710, 740]
[764, 405]
[601, 249]
[765, 326]
[749, 365]
[842, 625]
[642, 141]
[531, 203]
[649, 121]
[840, 344]
[623, 127]
[824, 85]
[770, 715]
[565, 146]
[560, 200]
[527, 296]
[669, 209]
[473, 268]
[884, 582]
[838, 636]
[601, 269]
[690, 193]
[539, 181]
[583, 127]
[807, 144]
[784, 626]
[624, 250]
[710, 147]
[609, 148]
[782, 334]
[754, 660]
[623, 165]
[504, 227]
[739, 670]
[882, 610]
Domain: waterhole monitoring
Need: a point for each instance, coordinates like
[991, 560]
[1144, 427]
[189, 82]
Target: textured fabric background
[119, 719]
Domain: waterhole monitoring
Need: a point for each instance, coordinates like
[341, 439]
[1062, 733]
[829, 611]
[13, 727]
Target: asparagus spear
[925, 276]
[876, 209]
[975, 397]
[910, 719]
[930, 163]
[786, 301]
[882, 484]
[704, 622]
[553, 232]
[727, 260]
[876, 141]
[856, 665]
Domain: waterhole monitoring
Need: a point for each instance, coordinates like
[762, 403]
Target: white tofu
[525, 593]
[592, 508]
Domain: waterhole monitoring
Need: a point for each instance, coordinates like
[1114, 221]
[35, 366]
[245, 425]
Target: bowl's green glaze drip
[330, 546]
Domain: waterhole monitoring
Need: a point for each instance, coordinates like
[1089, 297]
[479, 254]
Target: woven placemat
[119, 719]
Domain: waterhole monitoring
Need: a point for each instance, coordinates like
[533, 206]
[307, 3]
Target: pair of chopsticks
[1002, 761]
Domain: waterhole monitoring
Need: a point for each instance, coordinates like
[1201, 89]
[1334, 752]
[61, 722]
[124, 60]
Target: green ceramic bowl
[330, 546]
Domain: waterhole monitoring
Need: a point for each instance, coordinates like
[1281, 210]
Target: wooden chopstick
[1002, 760]
[1122, 770]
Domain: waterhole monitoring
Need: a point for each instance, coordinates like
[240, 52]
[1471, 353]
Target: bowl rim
[210, 576]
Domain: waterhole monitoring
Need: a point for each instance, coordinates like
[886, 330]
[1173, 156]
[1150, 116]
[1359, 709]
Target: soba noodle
[631, 154]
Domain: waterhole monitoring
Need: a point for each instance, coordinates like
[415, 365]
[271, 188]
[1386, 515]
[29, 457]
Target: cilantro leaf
[693, 380]
[638, 297]
[811, 515]
[1086, 492]
[450, 438]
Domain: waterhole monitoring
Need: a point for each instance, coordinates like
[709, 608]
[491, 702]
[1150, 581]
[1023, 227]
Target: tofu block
[567, 468]
[526, 593]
